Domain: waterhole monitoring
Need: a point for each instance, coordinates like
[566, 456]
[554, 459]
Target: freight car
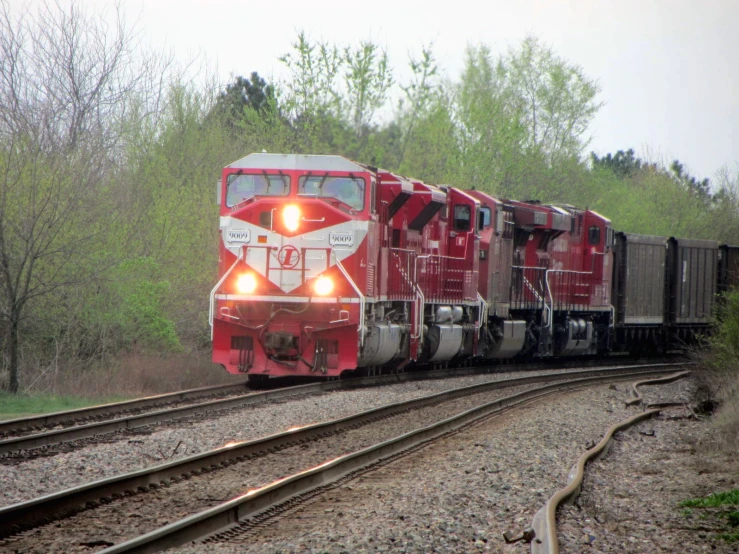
[327, 265]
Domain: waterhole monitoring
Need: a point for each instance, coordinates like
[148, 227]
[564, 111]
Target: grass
[14, 406]
[130, 376]
[716, 500]
[729, 537]
[713, 500]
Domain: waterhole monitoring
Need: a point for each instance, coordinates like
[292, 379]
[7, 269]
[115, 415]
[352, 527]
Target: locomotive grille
[370, 279]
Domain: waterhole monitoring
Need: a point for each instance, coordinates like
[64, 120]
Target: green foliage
[713, 500]
[522, 119]
[717, 500]
[433, 154]
[729, 537]
[367, 78]
[140, 292]
[622, 164]
[700, 188]
[724, 343]
[555, 98]
[253, 93]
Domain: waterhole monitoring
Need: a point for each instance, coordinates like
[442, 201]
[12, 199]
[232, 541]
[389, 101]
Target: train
[329, 266]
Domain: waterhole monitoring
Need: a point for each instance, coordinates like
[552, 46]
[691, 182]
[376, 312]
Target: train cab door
[463, 238]
[597, 258]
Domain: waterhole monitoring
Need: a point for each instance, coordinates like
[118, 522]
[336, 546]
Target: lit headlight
[323, 286]
[291, 217]
[246, 283]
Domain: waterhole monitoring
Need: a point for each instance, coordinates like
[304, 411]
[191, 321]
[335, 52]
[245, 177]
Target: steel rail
[50, 438]
[545, 520]
[74, 433]
[56, 418]
[70, 416]
[27, 514]
[285, 492]
[636, 396]
[544, 523]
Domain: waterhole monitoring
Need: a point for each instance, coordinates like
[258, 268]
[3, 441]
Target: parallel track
[26, 515]
[19, 449]
[19, 426]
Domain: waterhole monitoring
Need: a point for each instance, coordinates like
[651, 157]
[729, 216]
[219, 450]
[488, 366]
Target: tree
[313, 87]
[66, 82]
[419, 95]
[491, 133]
[557, 98]
[336, 89]
[701, 188]
[253, 93]
[522, 118]
[622, 164]
[367, 78]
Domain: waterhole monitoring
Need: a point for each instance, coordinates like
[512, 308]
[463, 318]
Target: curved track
[18, 449]
[26, 515]
[545, 520]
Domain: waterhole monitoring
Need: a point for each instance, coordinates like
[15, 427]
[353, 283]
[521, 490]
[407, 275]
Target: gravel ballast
[631, 498]
[456, 496]
[459, 495]
[129, 517]
[19, 483]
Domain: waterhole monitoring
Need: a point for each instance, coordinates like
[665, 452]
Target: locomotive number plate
[341, 239]
[237, 235]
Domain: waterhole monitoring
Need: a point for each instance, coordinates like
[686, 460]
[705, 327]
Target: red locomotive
[327, 265]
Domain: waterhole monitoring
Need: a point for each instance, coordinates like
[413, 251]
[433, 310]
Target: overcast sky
[668, 69]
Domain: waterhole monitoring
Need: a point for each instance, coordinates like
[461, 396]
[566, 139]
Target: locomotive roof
[302, 162]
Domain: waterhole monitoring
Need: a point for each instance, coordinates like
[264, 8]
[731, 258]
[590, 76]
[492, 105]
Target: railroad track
[29, 425]
[451, 410]
[78, 430]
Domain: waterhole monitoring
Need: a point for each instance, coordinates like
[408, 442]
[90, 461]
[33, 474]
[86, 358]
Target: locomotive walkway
[361, 442]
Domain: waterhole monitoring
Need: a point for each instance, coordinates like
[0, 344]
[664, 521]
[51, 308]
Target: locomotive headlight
[323, 286]
[246, 283]
[291, 217]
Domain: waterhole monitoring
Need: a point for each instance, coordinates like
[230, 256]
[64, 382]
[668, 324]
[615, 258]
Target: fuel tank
[381, 344]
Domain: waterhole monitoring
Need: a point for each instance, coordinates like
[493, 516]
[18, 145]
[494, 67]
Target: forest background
[110, 153]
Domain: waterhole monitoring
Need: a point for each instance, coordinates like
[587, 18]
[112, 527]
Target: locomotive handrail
[528, 284]
[549, 290]
[211, 308]
[483, 314]
[419, 313]
[412, 282]
[445, 295]
[362, 328]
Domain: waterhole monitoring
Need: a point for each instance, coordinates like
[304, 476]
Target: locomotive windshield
[349, 190]
[243, 186]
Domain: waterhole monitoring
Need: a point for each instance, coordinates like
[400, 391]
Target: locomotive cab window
[349, 190]
[483, 218]
[462, 216]
[242, 186]
[594, 236]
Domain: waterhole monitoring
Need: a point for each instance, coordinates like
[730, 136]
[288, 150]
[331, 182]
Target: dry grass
[131, 375]
[716, 394]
